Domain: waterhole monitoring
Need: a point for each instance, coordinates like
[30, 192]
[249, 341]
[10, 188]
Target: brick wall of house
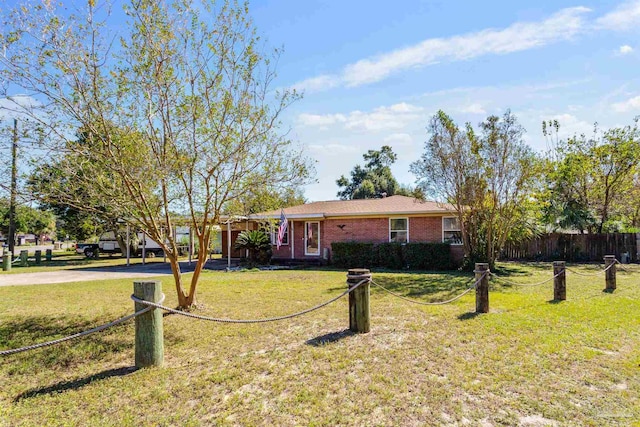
[425, 229]
[376, 230]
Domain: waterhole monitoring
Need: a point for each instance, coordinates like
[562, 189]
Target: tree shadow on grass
[29, 330]
[422, 286]
[329, 338]
[432, 288]
[75, 384]
[23, 331]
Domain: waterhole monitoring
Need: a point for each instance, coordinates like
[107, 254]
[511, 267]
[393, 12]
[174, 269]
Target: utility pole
[12, 201]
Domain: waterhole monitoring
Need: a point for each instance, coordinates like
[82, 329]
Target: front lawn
[530, 361]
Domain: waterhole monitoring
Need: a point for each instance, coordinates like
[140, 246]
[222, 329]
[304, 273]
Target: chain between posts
[592, 274]
[269, 319]
[472, 287]
[508, 282]
[79, 334]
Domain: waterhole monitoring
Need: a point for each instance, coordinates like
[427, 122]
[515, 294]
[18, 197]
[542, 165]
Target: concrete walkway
[65, 276]
[87, 274]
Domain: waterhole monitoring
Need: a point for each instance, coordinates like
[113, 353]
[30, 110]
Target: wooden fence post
[559, 281]
[48, 254]
[6, 260]
[359, 314]
[149, 334]
[610, 274]
[24, 258]
[482, 288]
[38, 257]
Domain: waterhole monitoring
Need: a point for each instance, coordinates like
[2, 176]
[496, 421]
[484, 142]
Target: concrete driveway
[87, 274]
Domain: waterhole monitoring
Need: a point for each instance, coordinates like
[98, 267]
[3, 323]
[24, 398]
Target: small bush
[396, 256]
[352, 254]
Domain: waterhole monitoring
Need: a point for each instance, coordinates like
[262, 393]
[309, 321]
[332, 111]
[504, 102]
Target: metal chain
[79, 334]
[268, 319]
[508, 282]
[472, 287]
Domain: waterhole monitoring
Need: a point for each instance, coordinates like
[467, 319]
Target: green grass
[529, 360]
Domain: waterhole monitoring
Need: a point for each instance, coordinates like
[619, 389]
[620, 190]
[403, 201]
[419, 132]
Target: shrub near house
[397, 256]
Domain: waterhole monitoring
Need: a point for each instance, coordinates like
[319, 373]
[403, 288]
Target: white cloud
[624, 17]
[625, 49]
[333, 149]
[17, 106]
[570, 125]
[396, 116]
[398, 139]
[517, 37]
[630, 104]
[473, 109]
[317, 84]
[320, 120]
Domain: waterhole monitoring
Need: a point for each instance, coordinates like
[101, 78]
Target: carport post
[229, 243]
[144, 248]
[128, 244]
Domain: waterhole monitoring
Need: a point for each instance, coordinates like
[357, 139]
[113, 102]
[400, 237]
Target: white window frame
[390, 230]
[273, 235]
[306, 229]
[443, 231]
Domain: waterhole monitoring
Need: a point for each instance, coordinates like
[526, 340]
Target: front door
[312, 238]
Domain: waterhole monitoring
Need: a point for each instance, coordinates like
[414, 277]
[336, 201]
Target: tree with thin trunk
[178, 109]
[487, 176]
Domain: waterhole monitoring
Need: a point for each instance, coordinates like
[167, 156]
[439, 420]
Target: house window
[399, 230]
[451, 232]
[274, 235]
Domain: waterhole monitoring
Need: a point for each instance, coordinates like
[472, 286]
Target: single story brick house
[314, 226]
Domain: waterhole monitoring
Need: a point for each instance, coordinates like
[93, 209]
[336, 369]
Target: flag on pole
[282, 228]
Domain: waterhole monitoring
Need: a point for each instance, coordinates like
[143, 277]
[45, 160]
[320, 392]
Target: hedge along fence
[396, 256]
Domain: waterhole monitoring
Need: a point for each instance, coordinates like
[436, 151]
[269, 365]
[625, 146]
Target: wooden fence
[576, 247]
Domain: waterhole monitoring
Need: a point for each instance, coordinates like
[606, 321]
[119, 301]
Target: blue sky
[374, 72]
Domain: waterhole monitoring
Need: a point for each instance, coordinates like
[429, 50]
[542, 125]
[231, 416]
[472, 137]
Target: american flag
[282, 228]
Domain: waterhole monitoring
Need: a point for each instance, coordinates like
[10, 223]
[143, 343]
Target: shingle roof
[393, 205]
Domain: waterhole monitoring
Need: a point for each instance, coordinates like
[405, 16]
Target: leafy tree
[488, 177]
[373, 179]
[591, 179]
[67, 186]
[179, 119]
[265, 199]
[28, 220]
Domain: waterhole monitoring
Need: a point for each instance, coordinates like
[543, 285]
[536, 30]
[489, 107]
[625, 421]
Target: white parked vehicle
[109, 244]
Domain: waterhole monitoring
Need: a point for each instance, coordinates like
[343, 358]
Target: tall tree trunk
[184, 301]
